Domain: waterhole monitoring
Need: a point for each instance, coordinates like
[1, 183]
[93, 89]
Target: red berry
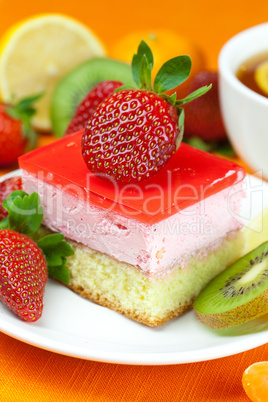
[12, 141]
[90, 103]
[203, 115]
[23, 275]
[6, 187]
[131, 136]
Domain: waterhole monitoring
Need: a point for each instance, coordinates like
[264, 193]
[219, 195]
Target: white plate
[73, 326]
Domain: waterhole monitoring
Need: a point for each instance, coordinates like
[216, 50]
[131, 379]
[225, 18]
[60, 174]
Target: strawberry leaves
[24, 111]
[142, 65]
[25, 215]
[173, 73]
[56, 250]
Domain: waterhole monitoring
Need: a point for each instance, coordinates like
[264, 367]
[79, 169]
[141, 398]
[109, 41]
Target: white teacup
[245, 113]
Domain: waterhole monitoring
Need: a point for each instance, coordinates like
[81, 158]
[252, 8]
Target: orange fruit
[165, 45]
[255, 381]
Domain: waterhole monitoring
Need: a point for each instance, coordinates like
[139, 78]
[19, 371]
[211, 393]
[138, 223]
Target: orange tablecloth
[31, 374]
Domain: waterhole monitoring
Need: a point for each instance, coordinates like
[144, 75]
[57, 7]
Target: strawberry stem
[24, 111]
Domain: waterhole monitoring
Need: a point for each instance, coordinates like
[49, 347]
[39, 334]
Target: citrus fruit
[37, 52]
[165, 44]
[261, 76]
[255, 381]
[256, 231]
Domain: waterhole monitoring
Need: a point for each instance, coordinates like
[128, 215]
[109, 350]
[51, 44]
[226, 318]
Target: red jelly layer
[190, 176]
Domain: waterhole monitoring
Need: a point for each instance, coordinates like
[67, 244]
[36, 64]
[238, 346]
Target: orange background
[209, 22]
[30, 374]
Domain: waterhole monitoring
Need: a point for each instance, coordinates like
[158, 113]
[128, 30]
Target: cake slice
[146, 249]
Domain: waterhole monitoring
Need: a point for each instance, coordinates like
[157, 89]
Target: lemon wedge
[261, 76]
[37, 52]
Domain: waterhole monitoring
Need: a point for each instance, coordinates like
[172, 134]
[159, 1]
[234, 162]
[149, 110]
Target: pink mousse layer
[154, 248]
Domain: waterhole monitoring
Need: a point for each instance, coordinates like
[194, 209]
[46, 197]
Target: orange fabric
[28, 373]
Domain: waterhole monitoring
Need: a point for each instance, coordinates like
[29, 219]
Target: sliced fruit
[37, 52]
[165, 44]
[255, 381]
[73, 88]
[261, 76]
[237, 295]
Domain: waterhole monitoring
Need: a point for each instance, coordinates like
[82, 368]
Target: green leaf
[51, 240]
[24, 111]
[25, 214]
[174, 72]
[225, 148]
[145, 74]
[25, 105]
[4, 224]
[196, 94]
[60, 273]
[55, 250]
[181, 127]
[198, 143]
[143, 49]
[7, 204]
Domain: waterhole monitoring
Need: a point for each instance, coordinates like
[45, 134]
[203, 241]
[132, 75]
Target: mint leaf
[55, 250]
[25, 214]
[199, 92]
[172, 73]
[143, 49]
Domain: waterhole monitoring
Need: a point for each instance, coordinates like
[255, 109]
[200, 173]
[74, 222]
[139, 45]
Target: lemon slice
[261, 76]
[256, 232]
[37, 52]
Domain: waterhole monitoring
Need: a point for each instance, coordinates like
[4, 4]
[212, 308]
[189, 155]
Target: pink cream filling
[154, 248]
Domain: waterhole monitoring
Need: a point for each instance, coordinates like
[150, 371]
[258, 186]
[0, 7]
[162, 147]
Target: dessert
[147, 249]
[150, 220]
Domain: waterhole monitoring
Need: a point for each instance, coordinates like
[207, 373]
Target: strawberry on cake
[151, 221]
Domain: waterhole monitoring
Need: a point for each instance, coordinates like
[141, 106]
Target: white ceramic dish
[244, 111]
[73, 326]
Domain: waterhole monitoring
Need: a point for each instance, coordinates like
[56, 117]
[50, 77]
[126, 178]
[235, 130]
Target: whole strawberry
[16, 134]
[23, 275]
[133, 133]
[24, 263]
[204, 118]
[6, 187]
[89, 104]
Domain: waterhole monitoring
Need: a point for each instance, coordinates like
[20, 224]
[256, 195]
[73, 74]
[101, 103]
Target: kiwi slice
[239, 294]
[74, 86]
